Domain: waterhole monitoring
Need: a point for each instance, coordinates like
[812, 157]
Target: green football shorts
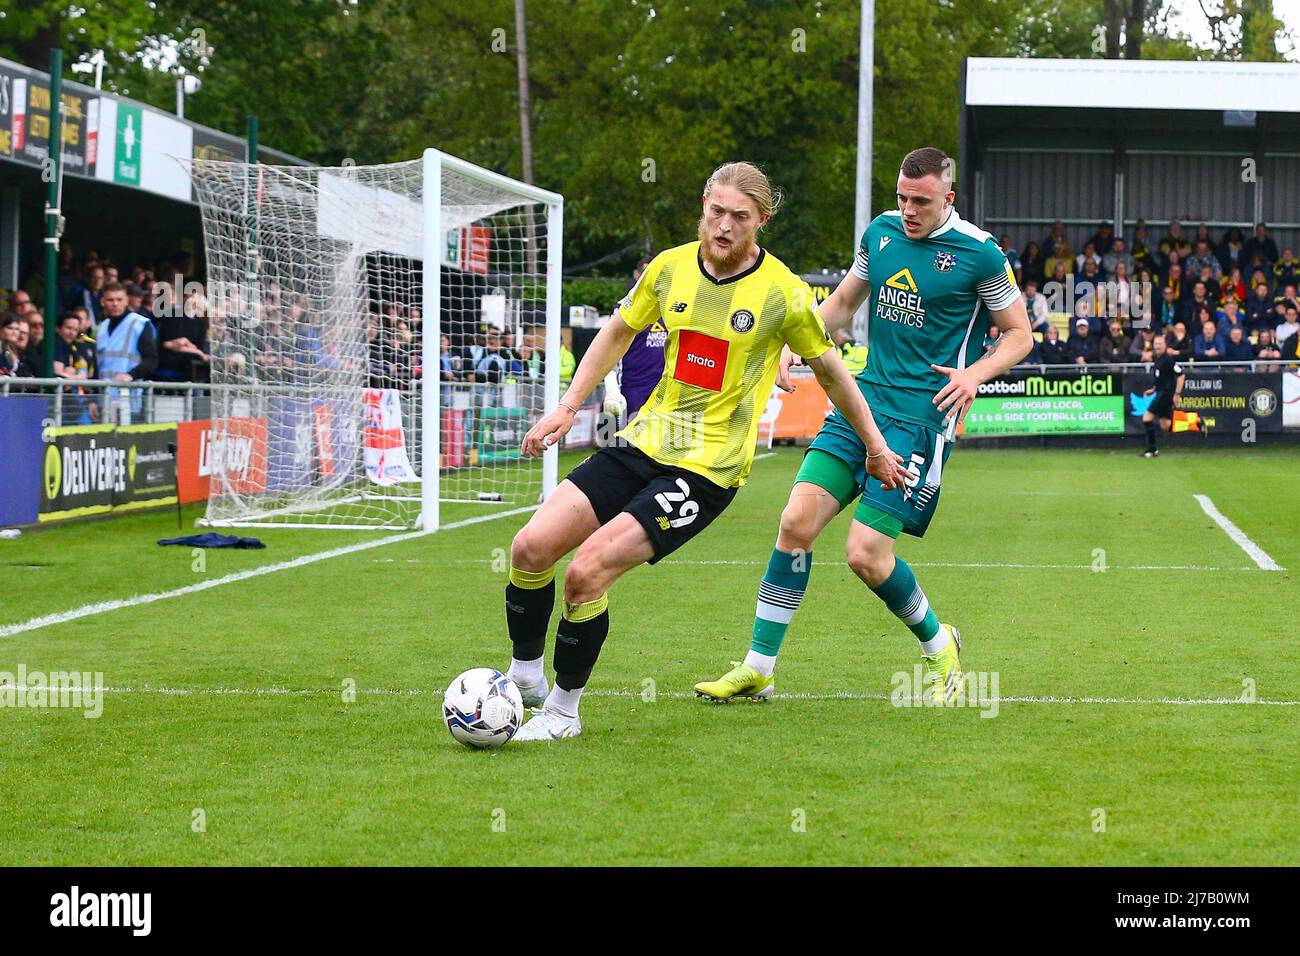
[836, 461]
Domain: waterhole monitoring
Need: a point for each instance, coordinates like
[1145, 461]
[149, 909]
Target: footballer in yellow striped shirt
[729, 307]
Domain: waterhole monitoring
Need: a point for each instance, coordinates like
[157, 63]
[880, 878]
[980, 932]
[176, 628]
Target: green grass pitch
[230, 700]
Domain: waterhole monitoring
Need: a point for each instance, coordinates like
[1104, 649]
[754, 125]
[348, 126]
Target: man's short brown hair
[112, 287]
[928, 161]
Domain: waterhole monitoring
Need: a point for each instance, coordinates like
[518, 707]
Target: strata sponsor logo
[75, 908]
[67, 690]
[1036, 385]
[701, 360]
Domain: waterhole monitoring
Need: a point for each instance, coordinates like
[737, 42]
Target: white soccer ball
[482, 708]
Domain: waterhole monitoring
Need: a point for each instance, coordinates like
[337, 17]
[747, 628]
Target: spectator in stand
[1229, 318]
[1009, 251]
[1174, 280]
[1290, 347]
[1059, 262]
[1177, 342]
[183, 340]
[1089, 254]
[1229, 250]
[1141, 349]
[1040, 316]
[1052, 351]
[1144, 302]
[1200, 300]
[73, 356]
[1058, 277]
[35, 339]
[1233, 287]
[1116, 255]
[1209, 345]
[1282, 305]
[493, 363]
[87, 294]
[1031, 263]
[1286, 271]
[19, 302]
[135, 300]
[1287, 328]
[1115, 345]
[273, 358]
[1170, 310]
[449, 363]
[126, 348]
[1260, 244]
[1143, 254]
[1083, 347]
[990, 338]
[1102, 238]
[1259, 309]
[1124, 296]
[13, 347]
[1057, 235]
[1174, 247]
[1238, 347]
[1266, 348]
[1203, 259]
[1089, 286]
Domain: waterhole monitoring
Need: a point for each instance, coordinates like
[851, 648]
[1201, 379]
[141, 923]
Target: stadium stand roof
[1121, 140]
[122, 188]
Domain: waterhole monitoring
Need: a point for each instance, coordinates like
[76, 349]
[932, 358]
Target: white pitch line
[674, 695]
[1242, 540]
[103, 607]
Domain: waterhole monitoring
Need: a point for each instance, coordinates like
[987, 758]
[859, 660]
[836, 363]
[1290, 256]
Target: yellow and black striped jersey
[720, 361]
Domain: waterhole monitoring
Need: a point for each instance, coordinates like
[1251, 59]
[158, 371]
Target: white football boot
[533, 695]
[549, 725]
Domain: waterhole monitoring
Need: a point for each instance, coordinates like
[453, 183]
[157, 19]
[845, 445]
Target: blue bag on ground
[213, 540]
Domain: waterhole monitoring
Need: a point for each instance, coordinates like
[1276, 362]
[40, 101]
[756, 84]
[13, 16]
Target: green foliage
[602, 293]
[633, 104]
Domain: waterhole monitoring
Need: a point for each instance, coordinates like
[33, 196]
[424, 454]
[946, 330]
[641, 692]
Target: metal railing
[93, 401]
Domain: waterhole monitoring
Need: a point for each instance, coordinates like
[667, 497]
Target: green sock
[779, 594]
[904, 597]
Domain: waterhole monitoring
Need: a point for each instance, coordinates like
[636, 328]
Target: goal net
[380, 339]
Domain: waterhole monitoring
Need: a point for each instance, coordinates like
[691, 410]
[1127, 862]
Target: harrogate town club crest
[944, 261]
[742, 320]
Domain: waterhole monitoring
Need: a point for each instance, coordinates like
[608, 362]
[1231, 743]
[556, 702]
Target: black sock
[1151, 435]
[578, 643]
[528, 612]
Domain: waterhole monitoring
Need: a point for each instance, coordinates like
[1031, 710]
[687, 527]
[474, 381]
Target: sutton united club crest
[944, 261]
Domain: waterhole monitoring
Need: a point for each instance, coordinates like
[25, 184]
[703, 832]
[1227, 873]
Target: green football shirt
[930, 304]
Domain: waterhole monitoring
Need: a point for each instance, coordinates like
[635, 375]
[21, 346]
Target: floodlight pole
[862, 204]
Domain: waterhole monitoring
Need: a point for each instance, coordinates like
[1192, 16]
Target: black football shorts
[672, 504]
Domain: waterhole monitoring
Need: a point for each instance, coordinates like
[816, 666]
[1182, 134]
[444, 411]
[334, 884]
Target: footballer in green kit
[935, 283]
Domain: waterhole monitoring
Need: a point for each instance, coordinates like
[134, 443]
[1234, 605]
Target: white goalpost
[381, 338]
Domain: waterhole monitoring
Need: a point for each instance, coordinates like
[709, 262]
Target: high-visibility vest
[854, 356]
[568, 365]
[119, 351]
